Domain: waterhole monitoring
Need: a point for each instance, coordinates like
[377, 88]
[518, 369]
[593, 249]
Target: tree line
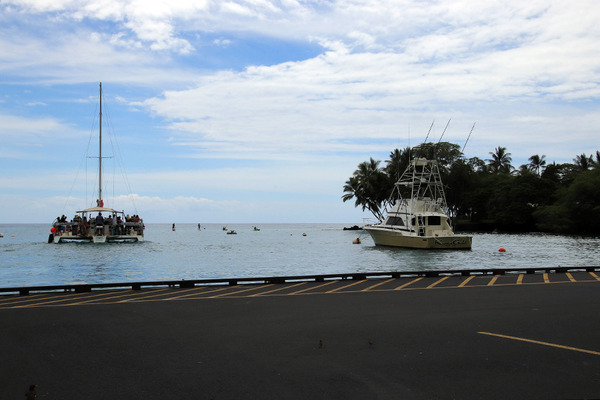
[490, 194]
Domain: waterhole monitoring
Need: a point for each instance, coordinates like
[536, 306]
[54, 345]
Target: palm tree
[537, 163]
[500, 162]
[583, 162]
[398, 162]
[596, 162]
[369, 186]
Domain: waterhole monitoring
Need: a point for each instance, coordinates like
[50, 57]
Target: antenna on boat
[468, 137]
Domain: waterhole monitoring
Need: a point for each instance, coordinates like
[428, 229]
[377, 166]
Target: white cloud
[526, 72]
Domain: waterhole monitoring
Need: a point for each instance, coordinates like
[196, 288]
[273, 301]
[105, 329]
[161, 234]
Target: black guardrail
[84, 287]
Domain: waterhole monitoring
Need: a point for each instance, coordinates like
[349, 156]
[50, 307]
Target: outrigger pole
[468, 137]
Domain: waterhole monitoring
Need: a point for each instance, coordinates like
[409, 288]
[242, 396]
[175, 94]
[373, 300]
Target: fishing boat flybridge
[419, 216]
[98, 224]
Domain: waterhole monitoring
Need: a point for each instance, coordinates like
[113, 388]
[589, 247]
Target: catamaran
[422, 220]
[98, 224]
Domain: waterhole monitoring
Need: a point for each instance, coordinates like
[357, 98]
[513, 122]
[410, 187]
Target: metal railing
[81, 288]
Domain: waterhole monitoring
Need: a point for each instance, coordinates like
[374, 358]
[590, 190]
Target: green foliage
[540, 196]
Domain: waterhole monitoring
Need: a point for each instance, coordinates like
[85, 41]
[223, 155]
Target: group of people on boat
[111, 225]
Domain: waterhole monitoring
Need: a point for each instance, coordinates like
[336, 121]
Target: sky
[258, 111]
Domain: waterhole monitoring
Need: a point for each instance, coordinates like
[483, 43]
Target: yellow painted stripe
[62, 298]
[408, 283]
[235, 292]
[494, 279]
[595, 276]
[344, 287]
[15, 298]
[559, 346]
[313, 287]
[546, 279]
[520, 279]
[278, 289]
[107, 297]
[195, 292]
[437, 282]
[568, 274]
[157, 292]
[463, 283]
[378, 284]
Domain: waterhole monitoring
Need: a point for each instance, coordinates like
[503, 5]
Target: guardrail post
[83, 289]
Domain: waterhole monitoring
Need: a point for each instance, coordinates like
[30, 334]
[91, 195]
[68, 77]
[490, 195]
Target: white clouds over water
[311, 88]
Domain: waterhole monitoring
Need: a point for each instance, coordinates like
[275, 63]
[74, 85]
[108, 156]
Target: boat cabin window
[434, 220]
[395, 221]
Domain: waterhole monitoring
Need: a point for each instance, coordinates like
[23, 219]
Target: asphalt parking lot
[489, 336]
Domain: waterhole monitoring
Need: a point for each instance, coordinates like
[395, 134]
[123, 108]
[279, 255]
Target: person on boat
[99, 223]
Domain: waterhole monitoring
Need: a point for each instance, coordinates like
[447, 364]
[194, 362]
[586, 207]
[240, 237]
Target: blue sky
[258, 111]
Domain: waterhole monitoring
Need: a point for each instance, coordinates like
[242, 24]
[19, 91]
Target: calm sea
[276, 250]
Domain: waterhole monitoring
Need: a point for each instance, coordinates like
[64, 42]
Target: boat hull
[395, 238]
[98, 239]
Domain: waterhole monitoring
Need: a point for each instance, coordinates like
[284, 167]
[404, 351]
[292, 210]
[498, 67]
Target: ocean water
[27, 259]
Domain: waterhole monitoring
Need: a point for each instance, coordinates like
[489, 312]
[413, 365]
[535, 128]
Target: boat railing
[370, 221]
[80, 228]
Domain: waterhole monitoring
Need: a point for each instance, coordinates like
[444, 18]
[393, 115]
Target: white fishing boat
[419, 216]
[98, 224]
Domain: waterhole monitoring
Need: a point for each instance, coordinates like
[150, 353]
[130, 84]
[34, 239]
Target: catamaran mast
[100, 154]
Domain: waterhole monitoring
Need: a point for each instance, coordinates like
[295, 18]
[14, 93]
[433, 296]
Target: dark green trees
[487, 195]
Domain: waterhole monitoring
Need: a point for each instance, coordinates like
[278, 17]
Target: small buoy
[53, 229]
[501, 249]
[356, 241]
[304, 234]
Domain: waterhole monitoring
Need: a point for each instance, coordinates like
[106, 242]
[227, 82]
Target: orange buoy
[501, 249]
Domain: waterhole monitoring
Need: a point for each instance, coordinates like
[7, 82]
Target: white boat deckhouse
[98, 224]
[418, 219]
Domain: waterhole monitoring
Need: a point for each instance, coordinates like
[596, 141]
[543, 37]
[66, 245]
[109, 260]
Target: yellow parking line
[344, 287]
[195, 292]
[463, 283]
[278, 289]
[12, 298]
[437, 282]
[494, 279]
[65, 297]
[158, 292]
[313, 287]
[408, 283]
[596, 353]
[234, 292]
[595, 276]
[108, 296]
[378, 284]
[568, 274]
[546, 279]
[520, 279]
